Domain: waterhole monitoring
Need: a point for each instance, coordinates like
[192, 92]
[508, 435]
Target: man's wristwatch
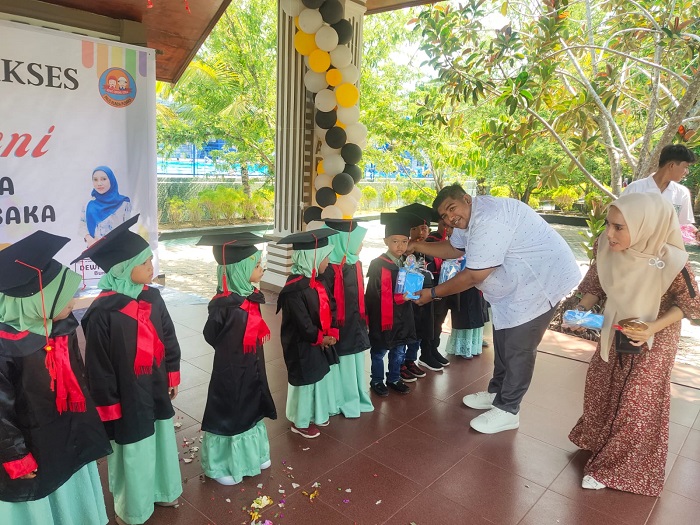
[433, 295]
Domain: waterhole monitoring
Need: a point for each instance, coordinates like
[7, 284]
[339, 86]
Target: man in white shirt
[673, 167]
[524, 268]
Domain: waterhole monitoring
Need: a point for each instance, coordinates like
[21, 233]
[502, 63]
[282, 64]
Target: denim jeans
[412, 351]
[396, 357]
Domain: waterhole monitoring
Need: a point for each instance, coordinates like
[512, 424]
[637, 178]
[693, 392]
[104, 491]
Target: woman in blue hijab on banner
[107, 209]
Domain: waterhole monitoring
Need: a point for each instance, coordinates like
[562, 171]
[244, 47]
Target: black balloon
[332, 11]
[344, 30]
[351, 153]
[312, 213]
[326, 119]
[326, 197]
[312, 4]
[336, 137]
[354, 171]
[343, 183]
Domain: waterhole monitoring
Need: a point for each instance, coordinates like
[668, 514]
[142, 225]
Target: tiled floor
[415, 460]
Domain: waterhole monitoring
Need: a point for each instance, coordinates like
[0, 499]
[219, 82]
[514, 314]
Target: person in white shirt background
[673, 167]
[524, 269]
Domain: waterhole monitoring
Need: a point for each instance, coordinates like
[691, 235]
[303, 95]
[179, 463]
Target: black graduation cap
[21, 262]
[308, 240]
[117, 246]
[420, 210]
[399, 223]
[342, 225]
[231, 248]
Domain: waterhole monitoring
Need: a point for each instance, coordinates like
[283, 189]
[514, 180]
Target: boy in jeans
[391, 325]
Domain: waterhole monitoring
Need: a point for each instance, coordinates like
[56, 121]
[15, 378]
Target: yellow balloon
[347, 95]
[347, 216]
[334, 77]
[305, 43]
[296, 22]
[319, 61]
[340, 124]
[319, 168]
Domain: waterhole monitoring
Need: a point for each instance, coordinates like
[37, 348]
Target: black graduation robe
[129, 404]
[353, 332]
[440, 307]
[239, 395]
[403, 330]
[468, 309]
[31, 427]
[307, 362]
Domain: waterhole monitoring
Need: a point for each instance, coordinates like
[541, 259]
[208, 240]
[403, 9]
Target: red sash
[256, 330]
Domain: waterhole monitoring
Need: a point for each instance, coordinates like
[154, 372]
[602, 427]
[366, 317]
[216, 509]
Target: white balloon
[292, 7]
[325, 100]
[341, 56]
[323, 180]
[346, 204]
[327, 151]
[315, 225]
[363, 144]
[307, 61]
[333, 164]
[315, 82]
[356, 133]
[356, 193]
[310, 20]
[348, 115]
[331, 212]
[326, 38]
[320, 133]
[350, 73]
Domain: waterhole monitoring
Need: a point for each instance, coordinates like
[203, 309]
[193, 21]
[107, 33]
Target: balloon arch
[322, 36]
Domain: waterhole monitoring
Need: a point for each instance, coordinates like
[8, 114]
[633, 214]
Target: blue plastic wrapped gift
[577, 318]
[450, 268]
[409, 282]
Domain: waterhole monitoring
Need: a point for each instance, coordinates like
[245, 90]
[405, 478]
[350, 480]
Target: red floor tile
[300, 510]
[430, 508]
[362, 432]
[684, 478]
[555, 509]
[377, 492]
[488, 491]
[674, 509]
[276, 375]
[403, 407]
[183, 514]
[190, 448]
[450, 424]
[549, 426]
[525, 456]
[622, 506]
[677, 435]
[414, 454]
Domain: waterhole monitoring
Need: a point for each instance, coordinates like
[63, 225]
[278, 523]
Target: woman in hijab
[641, 271]
[235, 439]
[344, 278]
[107, 209]
[309, 333]
[50, 431]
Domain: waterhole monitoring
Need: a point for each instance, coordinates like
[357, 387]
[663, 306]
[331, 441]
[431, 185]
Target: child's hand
[328, 341]
[31, 475]
[173, 392]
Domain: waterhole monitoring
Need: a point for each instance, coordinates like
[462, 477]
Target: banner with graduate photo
[77, 138]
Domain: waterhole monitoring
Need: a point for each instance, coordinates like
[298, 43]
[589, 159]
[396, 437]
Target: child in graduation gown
[133, 367]
[344, 278]
[391, 323]
[50, 432]
[308, 334]
[235, 439]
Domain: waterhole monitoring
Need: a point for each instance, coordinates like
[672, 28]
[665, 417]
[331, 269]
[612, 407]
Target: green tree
[623, 74]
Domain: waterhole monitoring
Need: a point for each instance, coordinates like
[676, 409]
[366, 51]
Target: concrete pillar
[296, 145]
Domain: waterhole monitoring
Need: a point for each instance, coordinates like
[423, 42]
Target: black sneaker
[406, 375]
[399, 387]
[429, 362]
[380, 389]
[441, 358]
[415, 369]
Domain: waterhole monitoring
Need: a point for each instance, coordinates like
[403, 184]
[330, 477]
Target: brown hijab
[635, 279]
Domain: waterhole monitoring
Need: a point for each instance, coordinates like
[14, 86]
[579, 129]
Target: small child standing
[308, 333]
[235, 438]
[469, 313]
[344, 278]
[391, 324]
[50, 432]
[133, 369]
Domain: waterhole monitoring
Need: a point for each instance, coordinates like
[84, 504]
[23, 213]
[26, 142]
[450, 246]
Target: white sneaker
[589, 482]
[227, 480]
[494, 421]
[266, 465]
[480, 400]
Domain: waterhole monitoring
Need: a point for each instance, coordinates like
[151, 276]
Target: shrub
[176, 209]
[534, 202]
[500, 191]
[388, 195]
[565, 197]
[369, 194]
